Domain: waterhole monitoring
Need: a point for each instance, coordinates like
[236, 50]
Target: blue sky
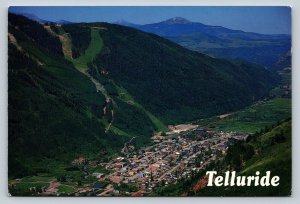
[267, 20]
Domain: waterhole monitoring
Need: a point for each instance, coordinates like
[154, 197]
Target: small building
[97, 175]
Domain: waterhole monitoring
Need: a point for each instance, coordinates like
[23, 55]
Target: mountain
[122, 84]
[177, 26]
[57, 113]
[177, 20]
[249, 47]
[135, 60]
[216, 41]
[219, 41]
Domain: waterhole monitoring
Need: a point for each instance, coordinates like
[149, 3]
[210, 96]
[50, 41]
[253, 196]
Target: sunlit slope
[253, 118]
[89, 55]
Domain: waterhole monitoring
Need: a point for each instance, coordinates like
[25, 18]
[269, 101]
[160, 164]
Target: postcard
[149, 101]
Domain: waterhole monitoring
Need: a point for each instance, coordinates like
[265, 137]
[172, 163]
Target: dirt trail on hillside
[101, 88]
[111, 122]
[65, 40]
[13, 40]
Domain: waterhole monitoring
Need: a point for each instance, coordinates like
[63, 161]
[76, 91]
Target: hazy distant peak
[121, 22]
[177, 20]
[33, 17]
[125, 23]
[64, 22]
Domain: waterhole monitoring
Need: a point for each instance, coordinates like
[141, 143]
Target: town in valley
[175, 155]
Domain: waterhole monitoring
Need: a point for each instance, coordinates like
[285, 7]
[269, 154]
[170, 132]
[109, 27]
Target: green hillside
[91, 52]
[253, 118]
[174, 83]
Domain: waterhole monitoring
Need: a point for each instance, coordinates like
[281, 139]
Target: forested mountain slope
[55, 111]
[172, 82]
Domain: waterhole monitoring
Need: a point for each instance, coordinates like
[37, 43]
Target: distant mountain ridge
[218, 41]
[178, 25]
[191, 26]
[39, 20]
[177, 20]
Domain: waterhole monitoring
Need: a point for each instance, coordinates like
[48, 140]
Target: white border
[4, 4]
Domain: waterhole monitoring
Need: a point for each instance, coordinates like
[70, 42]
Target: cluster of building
[173, 157]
